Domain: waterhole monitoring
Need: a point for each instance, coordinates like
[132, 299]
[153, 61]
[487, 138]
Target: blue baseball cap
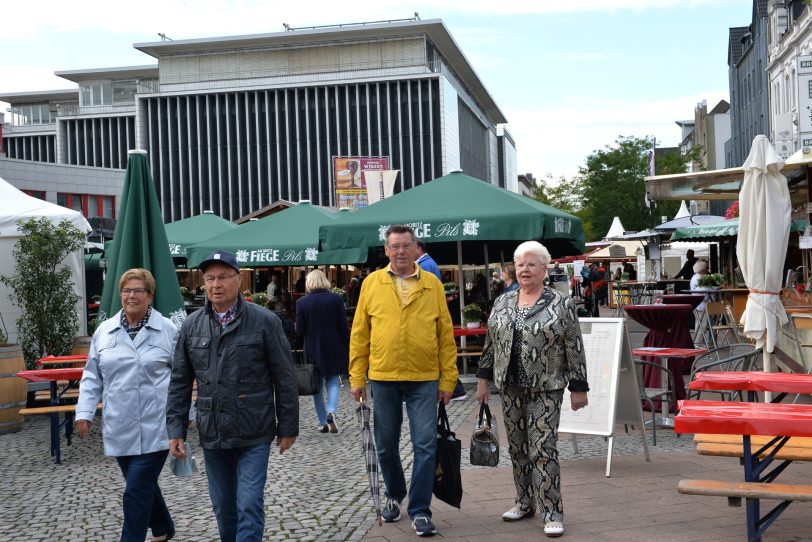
[219, 256]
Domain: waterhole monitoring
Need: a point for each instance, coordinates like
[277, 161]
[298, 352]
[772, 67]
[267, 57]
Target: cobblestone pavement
[317, 490]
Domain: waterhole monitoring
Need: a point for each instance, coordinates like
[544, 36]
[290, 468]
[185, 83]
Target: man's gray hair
[533, 248]
[700, 265]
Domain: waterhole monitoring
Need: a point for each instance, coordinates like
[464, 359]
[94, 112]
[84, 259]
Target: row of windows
[24, 115]
[34, 148]
[90, 205]
[237, 152]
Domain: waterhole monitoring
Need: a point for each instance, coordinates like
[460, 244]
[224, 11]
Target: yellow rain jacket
[395, 342]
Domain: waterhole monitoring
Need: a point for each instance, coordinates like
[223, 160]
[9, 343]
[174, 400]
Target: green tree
[564, 194]
[42, 287]
[612, 185]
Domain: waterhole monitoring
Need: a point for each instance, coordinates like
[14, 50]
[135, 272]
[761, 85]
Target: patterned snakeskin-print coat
[552, 351]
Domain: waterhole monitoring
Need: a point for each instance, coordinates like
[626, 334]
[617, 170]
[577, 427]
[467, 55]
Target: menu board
[614, 395]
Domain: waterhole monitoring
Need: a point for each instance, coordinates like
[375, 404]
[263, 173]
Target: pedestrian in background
[426, 262]
[246, 396]
[403, 341]
[128, 369]
[321, 322]
[533, 350]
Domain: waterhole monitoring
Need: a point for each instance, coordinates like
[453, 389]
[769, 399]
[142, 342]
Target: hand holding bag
[307, 376]
[186, 466]
[447, 478]
[484, 449]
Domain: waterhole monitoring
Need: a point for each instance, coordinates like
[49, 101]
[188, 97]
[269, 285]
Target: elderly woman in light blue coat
[128, 369]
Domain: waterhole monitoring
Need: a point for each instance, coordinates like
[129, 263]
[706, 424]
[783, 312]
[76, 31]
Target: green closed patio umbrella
[140, 241]
[286, 238]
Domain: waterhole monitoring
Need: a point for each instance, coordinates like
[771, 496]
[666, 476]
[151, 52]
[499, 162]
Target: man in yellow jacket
[403, 341]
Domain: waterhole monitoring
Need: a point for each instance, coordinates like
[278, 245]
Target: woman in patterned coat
[533, 350]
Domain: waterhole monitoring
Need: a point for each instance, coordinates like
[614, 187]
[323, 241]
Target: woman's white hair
[700, 265]
[533, 248]
[316, 280]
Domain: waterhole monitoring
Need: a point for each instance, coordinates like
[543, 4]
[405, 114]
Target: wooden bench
[736, 491]
[467, 353]
[796, 449]
[45, 395]
[55, 409]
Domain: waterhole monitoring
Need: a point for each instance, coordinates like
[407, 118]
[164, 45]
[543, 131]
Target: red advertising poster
[348, 172]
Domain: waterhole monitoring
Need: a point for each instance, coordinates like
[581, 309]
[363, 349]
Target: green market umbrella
[719, 230]
[140, 241]
[182, 234]
[286, 238]
[458, 208]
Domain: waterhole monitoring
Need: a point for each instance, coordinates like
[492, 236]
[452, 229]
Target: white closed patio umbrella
[764, 222]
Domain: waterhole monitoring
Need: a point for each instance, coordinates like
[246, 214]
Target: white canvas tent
[15, 206]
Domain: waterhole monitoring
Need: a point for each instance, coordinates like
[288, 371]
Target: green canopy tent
[462, 219]
[286, 238]
[720, 230]
[181, 234]
[456, 209]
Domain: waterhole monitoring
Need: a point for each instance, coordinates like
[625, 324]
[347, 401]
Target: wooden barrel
[13, 389]
[81, 345]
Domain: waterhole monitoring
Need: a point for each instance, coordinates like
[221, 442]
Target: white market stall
[15, 206]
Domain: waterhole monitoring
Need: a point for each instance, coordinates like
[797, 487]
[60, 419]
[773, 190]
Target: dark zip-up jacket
[246, 384]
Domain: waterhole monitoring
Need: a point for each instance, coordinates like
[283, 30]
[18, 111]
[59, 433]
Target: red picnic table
[469, 331]
[70, 374]
[54, 361]
[779, 420]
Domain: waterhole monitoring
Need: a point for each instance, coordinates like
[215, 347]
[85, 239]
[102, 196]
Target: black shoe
[332, 423]
[391, 511]
[423, 526]
[164, 537]
[323, 429]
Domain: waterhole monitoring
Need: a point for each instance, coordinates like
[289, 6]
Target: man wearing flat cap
[246, 396]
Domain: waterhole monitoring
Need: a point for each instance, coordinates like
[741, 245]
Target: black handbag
[307, 376]
[447, 478]
[484, 449]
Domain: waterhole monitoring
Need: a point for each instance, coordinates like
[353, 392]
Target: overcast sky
[570, 76]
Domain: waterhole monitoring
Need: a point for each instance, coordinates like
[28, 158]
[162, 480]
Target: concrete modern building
[233, 124]
[790, 38]
[749, 92]
[711, 132]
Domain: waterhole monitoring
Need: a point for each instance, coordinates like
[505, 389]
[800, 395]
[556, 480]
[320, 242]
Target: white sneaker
[462, 397]
[553, 529]
[518, 512]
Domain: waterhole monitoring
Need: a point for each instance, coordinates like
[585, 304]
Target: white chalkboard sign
[614, 395]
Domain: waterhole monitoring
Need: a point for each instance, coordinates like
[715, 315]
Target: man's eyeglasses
[209, 279]
[396, 248]
[136, 291]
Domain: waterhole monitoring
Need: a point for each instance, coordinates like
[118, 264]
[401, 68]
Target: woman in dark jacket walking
[321, 321]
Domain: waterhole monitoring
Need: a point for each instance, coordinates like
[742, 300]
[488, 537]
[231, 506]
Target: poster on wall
[350, 181]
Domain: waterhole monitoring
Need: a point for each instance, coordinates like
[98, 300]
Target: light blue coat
[131, 378]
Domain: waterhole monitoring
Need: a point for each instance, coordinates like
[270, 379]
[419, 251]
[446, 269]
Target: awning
[720, 184]
[721, 230]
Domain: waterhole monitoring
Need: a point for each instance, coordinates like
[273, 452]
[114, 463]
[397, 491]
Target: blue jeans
[236, 488]
[331, 384]
[144, 506]
[421, 407]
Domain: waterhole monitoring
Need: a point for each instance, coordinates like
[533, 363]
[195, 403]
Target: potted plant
[260, 298]
[341, 292]
[450, 288]
[187, 295]
[711, 281]
[472, 315]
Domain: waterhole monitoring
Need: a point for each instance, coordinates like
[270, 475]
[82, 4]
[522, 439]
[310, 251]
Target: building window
[90, 205]
[24, 115]
[95, 94]
[39, 194]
